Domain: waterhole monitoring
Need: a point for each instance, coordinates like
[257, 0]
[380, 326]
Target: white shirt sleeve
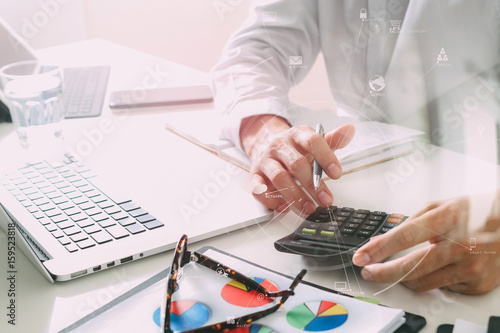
[256, 71]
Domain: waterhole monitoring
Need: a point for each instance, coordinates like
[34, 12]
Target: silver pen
[317, 170]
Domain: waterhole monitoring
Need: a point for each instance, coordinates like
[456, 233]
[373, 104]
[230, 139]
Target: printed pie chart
[236, 293]
[185, 315]
[317, 316]
[252, 329]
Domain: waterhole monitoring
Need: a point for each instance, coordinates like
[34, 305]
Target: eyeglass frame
[183, 257]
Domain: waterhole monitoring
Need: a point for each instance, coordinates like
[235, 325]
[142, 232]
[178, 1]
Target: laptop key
[119, 216]
[153, 224]
[38, 215]
[56, 195]
[59, 218]
[66, 205]
[65, 224]
[101, 237]
[105, 204]
[40, 200]
[80, 200]
[128, 206]
[93, 211]
[32, 209]
[71, 247]
[79, 237]
[135, 228]
[64, 240]
[127, 221]
[85, 244]
[107, 223]
[57, 233]
[51, 227]
[137, 212]
[146, 218]
[117, 232]
[53, 212]
[87, 205]
[47, 206]
[73, 230]
[112, 210]
[78, 217]
[44, 221]
[92, 229]
[85, 223]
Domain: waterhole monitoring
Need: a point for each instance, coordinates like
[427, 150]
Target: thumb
[340, 137]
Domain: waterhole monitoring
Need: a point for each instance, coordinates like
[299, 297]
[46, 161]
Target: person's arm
[449, 261]
[253, 75]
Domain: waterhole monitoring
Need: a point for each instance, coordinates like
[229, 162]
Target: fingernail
[361, 259]
[258, 188]
[325, 199]
[365, 273]
[308, 207]
[335, 170]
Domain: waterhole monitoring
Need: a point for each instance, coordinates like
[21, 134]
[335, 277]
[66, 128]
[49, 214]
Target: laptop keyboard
[84, 90]
[63, 199]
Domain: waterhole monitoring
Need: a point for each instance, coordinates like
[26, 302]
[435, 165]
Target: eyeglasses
[182, 257]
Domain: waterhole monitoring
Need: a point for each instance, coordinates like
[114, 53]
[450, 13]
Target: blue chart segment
[317, 316]
[185, 315]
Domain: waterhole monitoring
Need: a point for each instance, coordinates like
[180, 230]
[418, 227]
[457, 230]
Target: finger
[299, 166]
[340, 137]
[282, 181]
[414, 265]
[408, 234]
[267, 195]
[445, 277]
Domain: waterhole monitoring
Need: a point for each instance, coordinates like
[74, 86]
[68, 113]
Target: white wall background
[190, 32]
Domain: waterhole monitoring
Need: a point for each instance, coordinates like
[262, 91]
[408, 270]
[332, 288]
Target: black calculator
[337, 232]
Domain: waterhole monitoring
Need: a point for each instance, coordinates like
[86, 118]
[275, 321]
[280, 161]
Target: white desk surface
[43, 307]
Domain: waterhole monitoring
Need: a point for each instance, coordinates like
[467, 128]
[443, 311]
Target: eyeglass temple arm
[235, 275]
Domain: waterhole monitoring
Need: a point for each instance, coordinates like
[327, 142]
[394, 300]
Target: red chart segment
[317, 316]
[236, 293]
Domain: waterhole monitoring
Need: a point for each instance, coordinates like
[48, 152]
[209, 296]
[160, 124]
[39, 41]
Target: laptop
[84, 87]
[118, 190]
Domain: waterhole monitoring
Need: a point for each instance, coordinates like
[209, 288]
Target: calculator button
[355, 220]
[352, 225]
[327, 233]
[359, 216]
[309, 231]
[379, 213]
[390, 225]
[347, 209]
[384, 230]
[343, 213]
[340, 218]
[364, 233]
[394, 220]
[371, 222]
[375, 217]
[348, 231]
[363, 211]
[368, 227]
[397, 216]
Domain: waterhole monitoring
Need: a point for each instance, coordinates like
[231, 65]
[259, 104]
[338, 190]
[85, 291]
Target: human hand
[448, 261]
[279, 153]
